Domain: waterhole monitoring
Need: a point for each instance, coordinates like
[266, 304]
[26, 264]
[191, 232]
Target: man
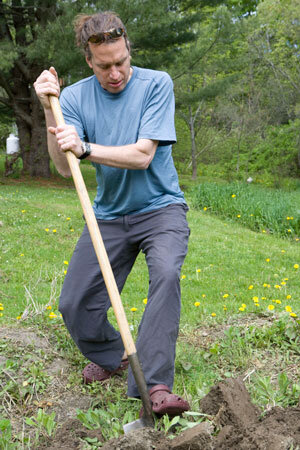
[122, 120]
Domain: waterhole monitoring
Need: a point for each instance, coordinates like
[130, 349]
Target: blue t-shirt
[143, 110]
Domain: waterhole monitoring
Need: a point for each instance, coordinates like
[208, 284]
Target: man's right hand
[47, 84]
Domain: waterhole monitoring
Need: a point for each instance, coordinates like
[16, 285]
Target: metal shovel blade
[137, 424]
[147, 420]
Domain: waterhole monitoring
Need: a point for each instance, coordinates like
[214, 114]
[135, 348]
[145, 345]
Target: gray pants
[162, 235]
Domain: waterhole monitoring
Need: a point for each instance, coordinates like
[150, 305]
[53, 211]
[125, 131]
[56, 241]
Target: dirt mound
[234, 416]
[233, 422]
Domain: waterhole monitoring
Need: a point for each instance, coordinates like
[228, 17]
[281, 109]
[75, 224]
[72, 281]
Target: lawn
[240, 305]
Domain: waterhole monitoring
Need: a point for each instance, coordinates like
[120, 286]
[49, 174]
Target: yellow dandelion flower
[197, 303]
[21, 254]
[225, 308]
[145, 301]
[68, 218]
[289, 230]
[183, 277]
[133, 309]
[283, 283]
[23, 211]
[47, 229]
[72, 230]
[243, 305]
[1, 308]
[65, 272]
[250, 287]
[203, 295]
[282, 251]
[54, 231]
[291, 218]
[277, 286]
[288, 308]
[1, 314]
[241, 309]
[263, 298]
[288, 296]
[263, 231]
[293, 314]
[52, 315]
[213, 314]
[49, 307]
[198, 270]
[265, 285]
[255, 299]
[233, 196]
[1, 304]
[225, 295]
[286, 279]
[297, 239]
[271, 307]
[296, 266]
[238, 215]
[256, 304]
[19, 317]
[205, 208]
[278, 302]
[287, 218]
[268, 259]
[66, 263]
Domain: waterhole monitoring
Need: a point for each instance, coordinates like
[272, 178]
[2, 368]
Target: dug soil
[232, 422]
[235, 424]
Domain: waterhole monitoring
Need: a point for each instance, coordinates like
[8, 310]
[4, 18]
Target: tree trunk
[31, 129]
[193, 142]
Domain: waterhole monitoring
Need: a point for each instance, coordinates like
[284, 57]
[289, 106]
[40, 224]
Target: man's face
[110, 63]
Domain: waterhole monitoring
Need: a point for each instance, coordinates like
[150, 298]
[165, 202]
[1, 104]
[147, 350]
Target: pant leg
[84, 300]
[165, 246]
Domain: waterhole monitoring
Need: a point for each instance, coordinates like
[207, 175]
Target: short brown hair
[87, 25]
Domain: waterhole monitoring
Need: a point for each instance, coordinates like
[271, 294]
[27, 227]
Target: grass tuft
[260, 209]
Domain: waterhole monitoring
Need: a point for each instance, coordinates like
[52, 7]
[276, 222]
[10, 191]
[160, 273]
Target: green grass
[229, 270]
[258, 208]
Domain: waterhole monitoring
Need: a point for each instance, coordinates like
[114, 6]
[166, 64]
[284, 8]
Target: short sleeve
[157, 121]
[70, 110]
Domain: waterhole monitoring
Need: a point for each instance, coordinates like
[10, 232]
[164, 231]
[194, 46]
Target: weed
[260, 209]
[108, 420]
[6, 435]
[266, 393]
[43, 423]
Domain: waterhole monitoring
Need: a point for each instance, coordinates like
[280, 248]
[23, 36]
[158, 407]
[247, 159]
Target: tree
[24, 24]
[202, 75]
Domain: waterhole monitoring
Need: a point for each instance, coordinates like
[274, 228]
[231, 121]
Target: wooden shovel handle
[96, 237]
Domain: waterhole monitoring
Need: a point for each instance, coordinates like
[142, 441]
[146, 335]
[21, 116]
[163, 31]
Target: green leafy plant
[44, 424]
[107, 420]
[286, 393]
[6, 435]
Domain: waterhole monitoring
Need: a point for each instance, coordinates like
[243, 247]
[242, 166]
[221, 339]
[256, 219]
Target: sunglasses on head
[113, 33]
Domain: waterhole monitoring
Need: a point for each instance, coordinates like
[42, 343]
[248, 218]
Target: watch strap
[86, 150]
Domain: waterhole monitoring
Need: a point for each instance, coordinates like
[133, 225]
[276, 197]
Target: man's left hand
[67, 139]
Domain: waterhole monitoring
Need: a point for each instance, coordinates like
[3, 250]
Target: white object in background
[12, 144]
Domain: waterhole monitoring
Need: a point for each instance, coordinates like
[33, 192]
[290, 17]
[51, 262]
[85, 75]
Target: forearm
[136, 156]
[58, 157]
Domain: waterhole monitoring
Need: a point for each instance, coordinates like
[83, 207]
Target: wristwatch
[86, 150]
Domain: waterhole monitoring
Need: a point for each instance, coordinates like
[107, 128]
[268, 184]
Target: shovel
[111, 286]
